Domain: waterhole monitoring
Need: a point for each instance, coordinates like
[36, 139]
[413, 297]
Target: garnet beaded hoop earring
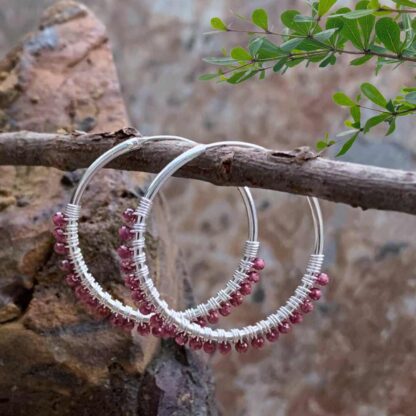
[91, 293]
[179, 325]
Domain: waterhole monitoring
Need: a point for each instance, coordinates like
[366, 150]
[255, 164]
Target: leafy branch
[371, 31]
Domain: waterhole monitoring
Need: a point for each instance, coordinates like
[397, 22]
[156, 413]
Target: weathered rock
[54, 357]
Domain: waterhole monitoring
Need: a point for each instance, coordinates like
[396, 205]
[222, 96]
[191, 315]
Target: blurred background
[356, 354]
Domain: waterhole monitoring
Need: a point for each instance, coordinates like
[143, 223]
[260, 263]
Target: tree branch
[299, 171]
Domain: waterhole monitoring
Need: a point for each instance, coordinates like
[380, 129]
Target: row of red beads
[127, 266]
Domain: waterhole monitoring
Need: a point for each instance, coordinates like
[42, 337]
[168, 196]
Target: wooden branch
[298, 172]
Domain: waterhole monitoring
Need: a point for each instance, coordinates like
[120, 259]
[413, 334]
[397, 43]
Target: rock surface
[54, 357]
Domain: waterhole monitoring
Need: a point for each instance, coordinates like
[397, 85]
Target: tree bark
[56, 359]
[299, 171]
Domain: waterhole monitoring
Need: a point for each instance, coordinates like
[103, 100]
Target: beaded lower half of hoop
[305, 292]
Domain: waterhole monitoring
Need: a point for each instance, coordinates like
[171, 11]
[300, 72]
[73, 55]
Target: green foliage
[371, 33]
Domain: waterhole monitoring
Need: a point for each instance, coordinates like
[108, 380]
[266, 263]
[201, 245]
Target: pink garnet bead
[272, 335]
[212, 317]
[315, 293]
[129, 216]
[72, 280]
[296, 317]
[59, 235]
[181, 339]
[59, 219]
[126, 266]
[259, 264]
[284, 327]
[195, 344]
[225, 309]
[66, 266]
[143, 329]
[200, 321]
[245, 288]
[210, 347]
[60, 248]
[257, 343]
[241, 346]
[103, 311]
[156, 321]
[146, 308]
[307, 306]
[254, 277]
[224, 348]
[236, 299]
[157, 331]
[125, 252]
[125, 233]
[322, 279]
[138, 296]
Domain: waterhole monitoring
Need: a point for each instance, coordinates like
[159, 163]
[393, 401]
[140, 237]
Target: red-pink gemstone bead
[72, 280]
[181, 339]
[81, 292]
[284, 327]
[169, 331]
[259, 263]
[146, 308]
[225, 309]
[236, 299]
[315, 293]
[126, 266]
[241, 346]
[210, 347]
[156, 321]
[129, 216]
[138, 296]
[254, 277]
[212, 317]
[125, 233]
[257, 342]
[59, 219]
[143, 329]
[224, 347]
[272, 335]
[131, 282]
[195, 343]
[103, 311]
[127, 324]
[245, 288]
[59, 235]
[60, 248]
[307, 306]
[296, 317]
[66, 266]
[157, 331]
[322, 279]
[200, 321]
[124, 252]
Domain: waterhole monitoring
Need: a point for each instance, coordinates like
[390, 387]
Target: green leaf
[411, 97]
[262, 48]
[324, 6]
[390, 106]
[355, 14]
[291, 44]
[279, 64]
[329, 60]
[240, 54]
[373, 94]
[241, 76]
[300, 18]
[347, 145]
[366, 23]
[288, 19]
[218, 24]
[220, 60]
[360, 61]
[351, 31]
[260, 19]
[342, 99]
[207, 77]
[392, 127]
[406, 3]
[356, 114]
[374, 121]
[325, 34]
[388, 32]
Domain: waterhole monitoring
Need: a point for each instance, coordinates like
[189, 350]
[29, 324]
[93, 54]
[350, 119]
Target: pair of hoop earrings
[154, 316]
